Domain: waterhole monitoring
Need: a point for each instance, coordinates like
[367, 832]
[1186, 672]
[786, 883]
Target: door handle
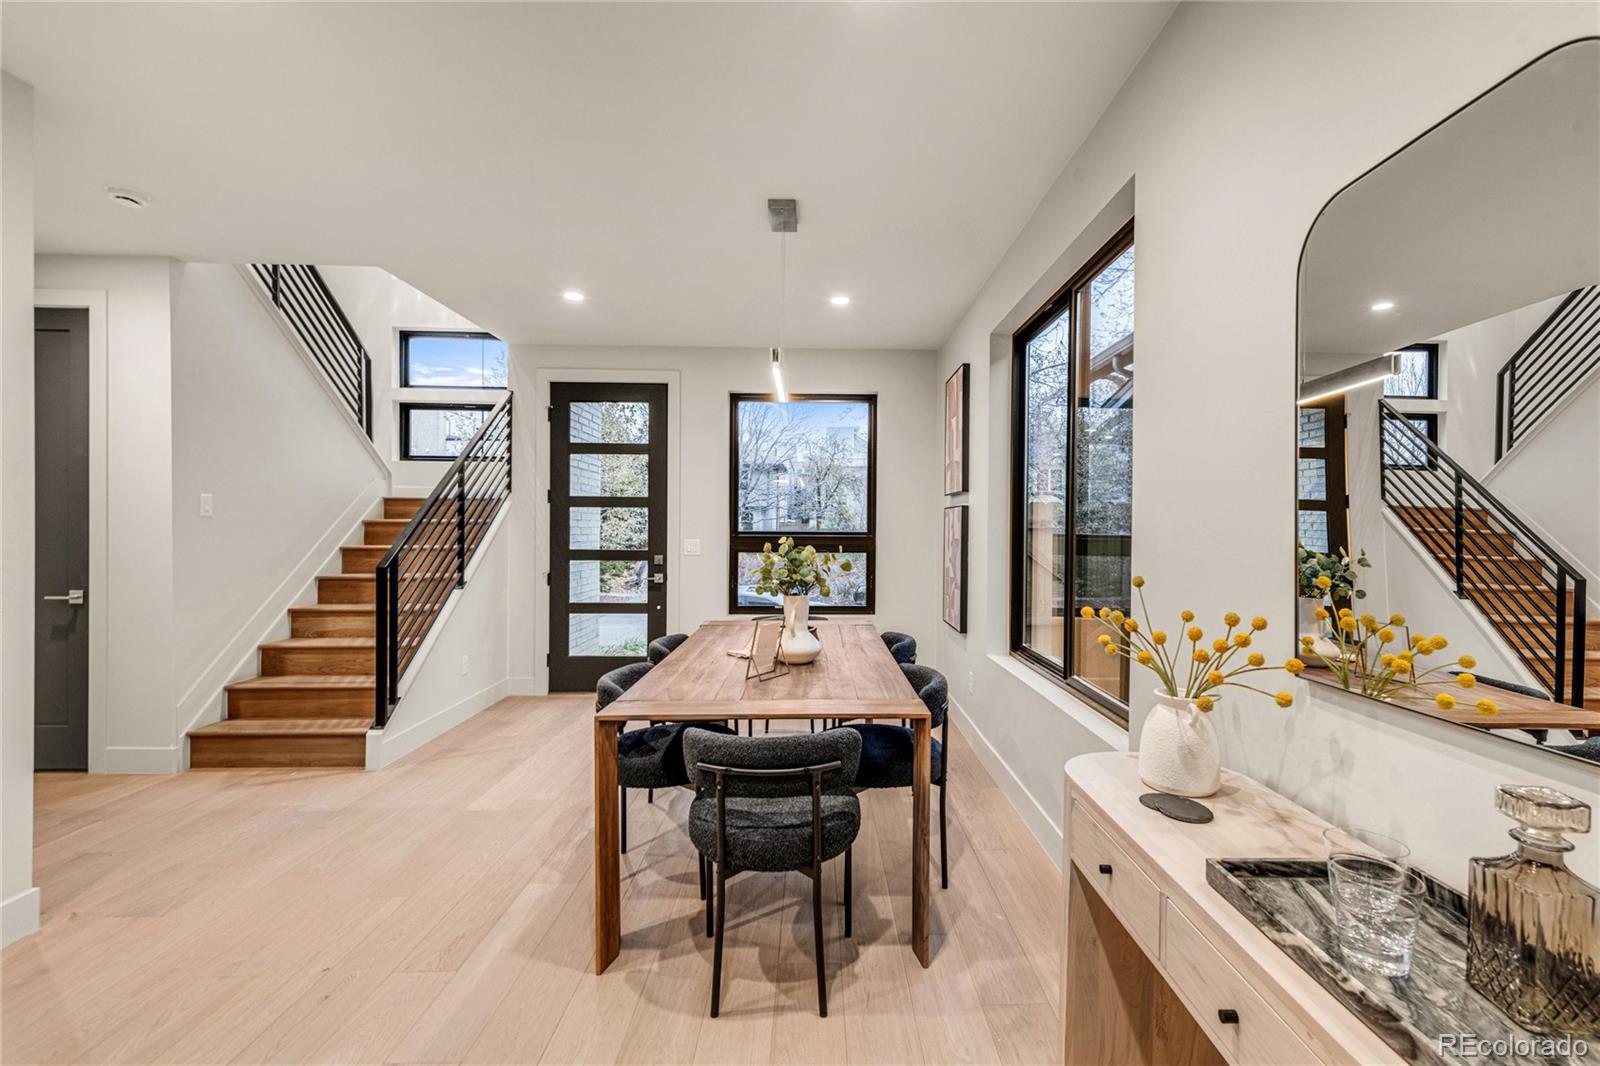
[73, 598]
[659, 579]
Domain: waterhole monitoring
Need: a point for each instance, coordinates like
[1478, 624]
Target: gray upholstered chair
[903, 646]
[662, 647]
[648, 758]
[888, 752]
[772, 804]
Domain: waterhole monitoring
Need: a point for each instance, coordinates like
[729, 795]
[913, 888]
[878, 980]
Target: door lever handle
[73, 598]
[659, 579]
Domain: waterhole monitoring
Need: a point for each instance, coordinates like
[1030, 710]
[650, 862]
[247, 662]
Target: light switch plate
[205, 505]
[691, 547]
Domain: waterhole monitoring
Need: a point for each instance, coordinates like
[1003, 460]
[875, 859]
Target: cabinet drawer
[1132, 896]
[1211, 987]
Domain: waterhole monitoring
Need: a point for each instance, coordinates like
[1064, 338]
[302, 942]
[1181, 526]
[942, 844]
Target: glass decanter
[1533, 937]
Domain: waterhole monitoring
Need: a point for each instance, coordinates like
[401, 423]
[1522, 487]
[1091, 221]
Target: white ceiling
[1496, 209]
[493, 155]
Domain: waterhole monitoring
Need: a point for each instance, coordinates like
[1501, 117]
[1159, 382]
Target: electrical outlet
[691, 547]
[464, 661]
[205, 505]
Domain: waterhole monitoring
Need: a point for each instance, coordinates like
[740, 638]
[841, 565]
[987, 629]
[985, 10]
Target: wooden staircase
[1508, 588]
[313, 701]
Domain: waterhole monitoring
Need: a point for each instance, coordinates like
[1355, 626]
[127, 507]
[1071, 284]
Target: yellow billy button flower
[1258, 623]
[1219, 645]
[1145, 658]
[1195, 633]
[1284, 699]
[1201, 655]
[1386, 661]
[1187, 616]
[1204, 703]
[1104, 638]
[1466, 662]
[1345, 612]
[1294, 666]
[1438, 643]
[1486, 707]
[1307, 641]
[1256, 659]
[1397, 619]
[1117, 617]
[1111, 649]
[1138, 582]
[1086, 612]
[1347, 624]
[1215, 677]
[1445, 701]
[1370, 621]
[1466, 680]
[1322, 614]
[1131, 625]
[1158, 637]
[1385, 634]
[1418, 640]
[1230, 619]
[1241, 640]
[1105, 613]
[1324, 582]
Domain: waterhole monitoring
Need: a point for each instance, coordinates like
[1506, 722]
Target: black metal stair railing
[1553, 361]
[1529, 591]
[301, 295]
[428, 560]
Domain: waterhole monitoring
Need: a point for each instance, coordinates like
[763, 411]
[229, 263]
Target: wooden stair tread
[307, 681]
[279, 727]
[321, 642]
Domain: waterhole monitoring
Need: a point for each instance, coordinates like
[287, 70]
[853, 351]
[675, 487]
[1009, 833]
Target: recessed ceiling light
[1383, 305]
[573, 296]
[841, 300]
[127, 197]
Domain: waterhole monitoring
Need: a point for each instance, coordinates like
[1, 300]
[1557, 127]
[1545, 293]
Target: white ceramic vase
[1310, 625]
[1178, 751]
[798, 644]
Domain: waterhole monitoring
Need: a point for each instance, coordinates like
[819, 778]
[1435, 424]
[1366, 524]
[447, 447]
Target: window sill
[1092, 718]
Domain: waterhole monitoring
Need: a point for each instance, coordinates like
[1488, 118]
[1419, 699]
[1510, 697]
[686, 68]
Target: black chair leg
[816, 926]
[944, 845]
[700, 867]
[716, 951]
[649, 795]
[849, 896]
[623, 811]
[710, 903]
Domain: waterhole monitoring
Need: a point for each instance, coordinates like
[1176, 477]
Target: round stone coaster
[1178, 808]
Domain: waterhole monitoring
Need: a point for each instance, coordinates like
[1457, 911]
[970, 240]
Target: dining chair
[648, 758]
[888, 752]
[903, 646]
[772, 804]
[662, 647]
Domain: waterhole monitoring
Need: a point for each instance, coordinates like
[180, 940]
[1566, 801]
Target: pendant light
[784, 218]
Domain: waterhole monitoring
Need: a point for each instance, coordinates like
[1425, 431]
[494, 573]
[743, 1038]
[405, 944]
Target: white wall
[19, 899]
[287, 470]
[380, 305]
[1238, 125]
[700, 380]
[137, 603]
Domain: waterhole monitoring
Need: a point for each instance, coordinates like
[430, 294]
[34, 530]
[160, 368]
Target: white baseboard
[386, 746]
[19, 916]
[524, 686]
[1034, 816]
[135, 760]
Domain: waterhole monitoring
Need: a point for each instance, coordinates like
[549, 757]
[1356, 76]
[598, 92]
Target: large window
[1417, 375]
[438, 430]
[804, 468]
[452, 361]
[1073, 484]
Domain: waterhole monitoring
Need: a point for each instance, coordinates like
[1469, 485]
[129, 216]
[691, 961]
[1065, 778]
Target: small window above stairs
[313, 701]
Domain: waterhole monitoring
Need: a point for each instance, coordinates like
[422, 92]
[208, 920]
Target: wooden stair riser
[382, 530]
[1445, 517]
[346, 588]
[362, 558]
[358, 621]
[207, 752]
[401, 506]
[348, 702]
[276, 662]
[1441, 540]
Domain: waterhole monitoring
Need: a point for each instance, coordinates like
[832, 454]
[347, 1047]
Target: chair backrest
[662, 647]
[618, 681]
[903, 646]
[932, 689]
[773, 751]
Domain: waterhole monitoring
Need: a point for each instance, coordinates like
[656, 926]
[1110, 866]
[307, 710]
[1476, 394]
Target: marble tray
[1289, 902]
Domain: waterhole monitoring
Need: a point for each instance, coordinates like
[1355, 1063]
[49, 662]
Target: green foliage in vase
[794, 570]
[1339, 569]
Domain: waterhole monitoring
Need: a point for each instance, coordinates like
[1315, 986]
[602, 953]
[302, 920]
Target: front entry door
[608, 528]
[61, 539]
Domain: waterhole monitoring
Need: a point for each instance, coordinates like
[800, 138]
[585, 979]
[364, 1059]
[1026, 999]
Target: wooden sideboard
[1157, 967]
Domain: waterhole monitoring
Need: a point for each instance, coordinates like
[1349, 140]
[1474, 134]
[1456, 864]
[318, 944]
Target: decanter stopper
[1544, 814]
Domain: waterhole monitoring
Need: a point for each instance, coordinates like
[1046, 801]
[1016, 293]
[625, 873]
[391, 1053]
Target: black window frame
[1432, 352]
[473, 334]
[1060, 673]
[752, 540]
[405, 427]
[1429, 428]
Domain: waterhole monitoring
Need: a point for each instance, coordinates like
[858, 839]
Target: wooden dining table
[854, 677]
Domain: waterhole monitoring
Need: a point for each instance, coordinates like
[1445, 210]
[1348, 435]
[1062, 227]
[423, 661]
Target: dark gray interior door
[61, 547]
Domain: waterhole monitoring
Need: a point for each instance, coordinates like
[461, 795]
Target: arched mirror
[1448, 447]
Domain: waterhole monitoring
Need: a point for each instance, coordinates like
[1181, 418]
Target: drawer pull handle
[1105, 868]
[1228, 1017]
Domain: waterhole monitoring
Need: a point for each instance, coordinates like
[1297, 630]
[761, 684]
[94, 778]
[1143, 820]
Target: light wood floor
[441, 911]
